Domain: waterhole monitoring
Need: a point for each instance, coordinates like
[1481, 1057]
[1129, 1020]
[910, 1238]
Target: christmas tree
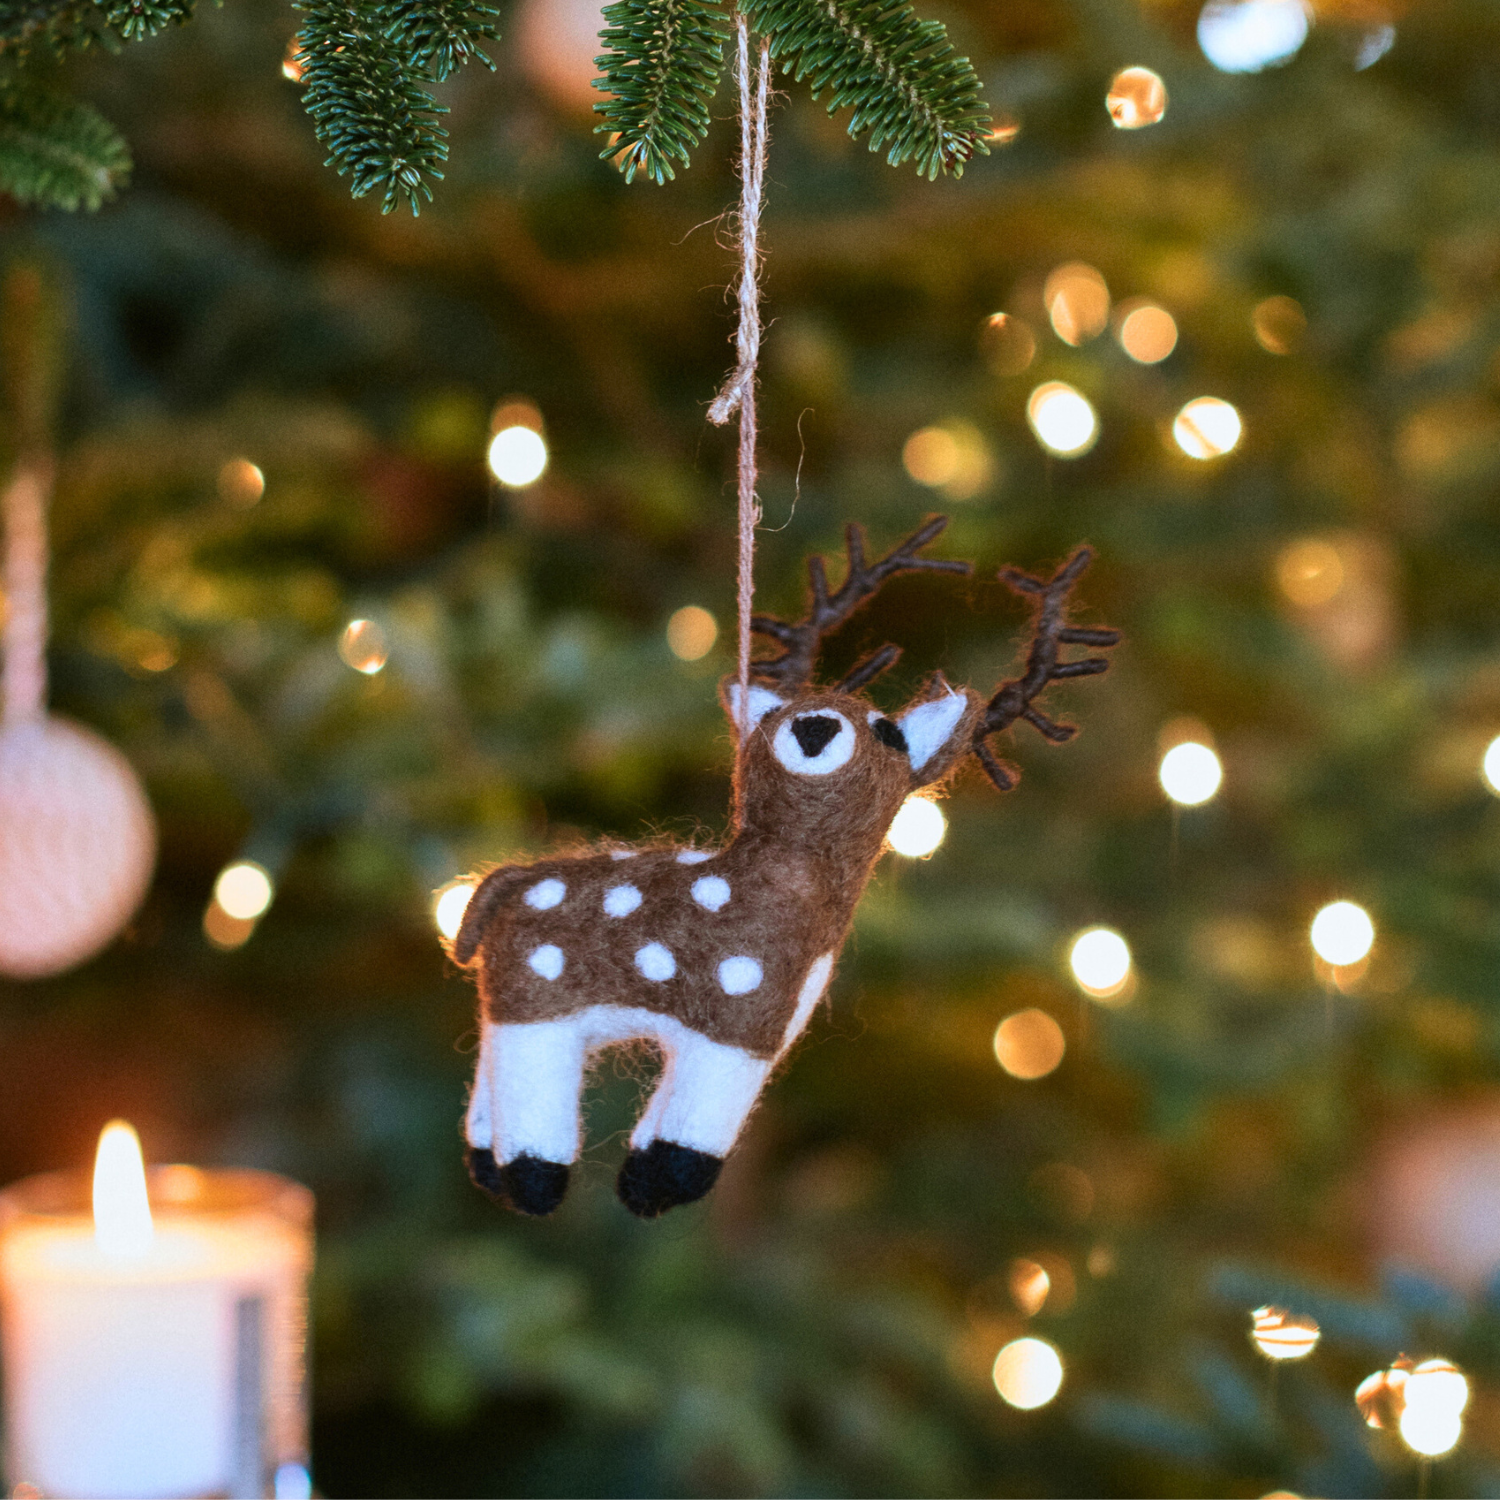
[337, 645]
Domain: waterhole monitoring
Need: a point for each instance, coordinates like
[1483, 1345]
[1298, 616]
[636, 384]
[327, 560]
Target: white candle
[155, 1352]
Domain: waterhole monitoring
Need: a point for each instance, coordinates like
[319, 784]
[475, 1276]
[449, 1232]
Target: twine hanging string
[25, 635]
[738, 393]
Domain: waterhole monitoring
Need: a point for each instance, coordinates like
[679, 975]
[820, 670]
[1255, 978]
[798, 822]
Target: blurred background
[277, 415]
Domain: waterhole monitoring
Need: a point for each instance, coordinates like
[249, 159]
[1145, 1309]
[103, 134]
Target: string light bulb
[1062, 418]
[1492, 765]
[918, 828]
[1190, 774]
[1028, 1373]
[1342, 933]
[517, 456]
[1280, 1335]
[1207, 428]
[1100, 960]
[449, 903]
[244, 890]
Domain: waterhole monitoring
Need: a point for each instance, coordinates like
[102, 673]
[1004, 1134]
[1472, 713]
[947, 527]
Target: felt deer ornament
[717, 957]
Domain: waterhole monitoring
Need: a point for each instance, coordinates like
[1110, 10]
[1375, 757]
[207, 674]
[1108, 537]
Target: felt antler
[826, 612]
[1016, 699]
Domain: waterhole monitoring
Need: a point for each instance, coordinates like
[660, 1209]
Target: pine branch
[57, 152]
[368, 104]
[134, 19]
[662, 67]
[437, 37]
[906, 84]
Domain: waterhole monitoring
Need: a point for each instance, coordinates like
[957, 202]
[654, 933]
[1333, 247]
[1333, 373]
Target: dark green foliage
[134, 19]
[438, 36]
[368, 104]
[662, 68]
[57, 152]
[906, 85]
[365, 69]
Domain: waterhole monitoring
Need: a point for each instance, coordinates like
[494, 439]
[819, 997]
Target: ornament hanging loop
[738, 392]
[25, 634]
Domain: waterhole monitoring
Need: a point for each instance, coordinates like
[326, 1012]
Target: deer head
[823, 766]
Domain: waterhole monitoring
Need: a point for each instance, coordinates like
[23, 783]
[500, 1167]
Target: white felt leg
[808, 997]
[536, 1076]
[477, 1128]
[705, 1093]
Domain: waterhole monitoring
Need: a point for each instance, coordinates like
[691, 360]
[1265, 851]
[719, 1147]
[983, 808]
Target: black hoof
[665, 1175]
[528, 1184]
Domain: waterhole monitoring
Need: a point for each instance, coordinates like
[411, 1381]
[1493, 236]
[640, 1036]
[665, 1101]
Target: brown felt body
[802, 852]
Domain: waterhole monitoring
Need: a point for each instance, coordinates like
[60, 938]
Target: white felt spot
[621, 900]
[835, 753]
[928, 726]
[710, 892]
[762, 701]
[546, 960]
[739, 975]
[693, 856]
[622, 853]
[655, 962]
[545, 894]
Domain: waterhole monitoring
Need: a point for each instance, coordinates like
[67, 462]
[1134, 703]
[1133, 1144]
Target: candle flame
[122, 1215]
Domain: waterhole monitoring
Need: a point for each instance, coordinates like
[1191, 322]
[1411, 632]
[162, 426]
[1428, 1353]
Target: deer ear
[928, 728]
[761, 701]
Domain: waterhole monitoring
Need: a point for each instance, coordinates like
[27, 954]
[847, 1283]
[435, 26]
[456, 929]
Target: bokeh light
[363, 647]
[1077, 302]
[1279, 1334]
[1278, 324]
[1429, 1431]
[691, 632]
[1029, 1044]
[1380, 1397]
[1062, 419]
[291, 62]
[449, 904]
[1244, 36]
[1008, 344]
[1147, 333]
[244, 890]
[241, 483]
[1374, 45]
[517, 456]
[918, 828]
[1190, 773]
[224, 932]
[1342, 933]
[1492, 765]
[953, 458]
[1438, 1384]
[1029, 1285]
[1100, 960]
[1136, 97]
[1207, 428]
[1028, 1373]
[1004, 128]
[1309, 572]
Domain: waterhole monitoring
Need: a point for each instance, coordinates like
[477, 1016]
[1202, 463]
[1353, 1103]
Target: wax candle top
[122, 1212]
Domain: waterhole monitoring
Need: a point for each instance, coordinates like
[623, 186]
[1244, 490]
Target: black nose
[813, 732]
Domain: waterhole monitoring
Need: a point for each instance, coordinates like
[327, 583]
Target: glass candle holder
[178, 1370]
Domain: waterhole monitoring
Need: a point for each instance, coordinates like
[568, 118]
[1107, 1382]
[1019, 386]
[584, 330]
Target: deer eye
[813, 744]
[888, 732]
